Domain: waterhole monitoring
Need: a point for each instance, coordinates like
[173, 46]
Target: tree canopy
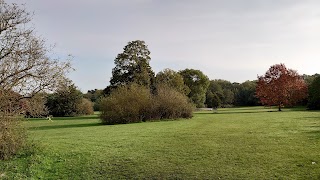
[314, 94]
[198, 84]
[132, 65]
[246, 94]
[173, 79]
[222, 90]
[280, 86]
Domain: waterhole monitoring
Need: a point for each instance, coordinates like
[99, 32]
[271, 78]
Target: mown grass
[234, 143]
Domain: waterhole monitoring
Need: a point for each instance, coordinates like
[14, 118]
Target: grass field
[235, 143]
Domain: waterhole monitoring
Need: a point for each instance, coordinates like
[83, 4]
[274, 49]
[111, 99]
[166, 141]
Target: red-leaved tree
[281, 86]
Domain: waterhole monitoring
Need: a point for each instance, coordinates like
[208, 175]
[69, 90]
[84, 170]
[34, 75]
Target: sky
[235, 40]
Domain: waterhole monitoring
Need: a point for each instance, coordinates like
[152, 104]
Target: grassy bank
[234, 143]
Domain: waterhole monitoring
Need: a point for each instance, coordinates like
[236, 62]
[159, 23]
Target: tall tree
[173, 79]
[314, 94]
[198, 84]
[280, 86]
[132, 65]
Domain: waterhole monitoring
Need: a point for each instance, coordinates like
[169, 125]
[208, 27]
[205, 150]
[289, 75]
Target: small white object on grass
[49, 118]
[313, 163]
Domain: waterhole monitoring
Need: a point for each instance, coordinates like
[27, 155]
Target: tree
[25, 70]
[280, 86]
[215, 102]
[212, 100]
[198, 84]
[132, 65]
[314, 94]
[310, 78]
[24, 65]
[246, 94]
[223, 89]
[172, 79]
[65, 101]
[95, 96]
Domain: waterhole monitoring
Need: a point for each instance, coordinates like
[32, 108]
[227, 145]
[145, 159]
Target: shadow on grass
[65, 126]
[64, 118]
[76, 118]
[314, 134]
[236, 112]
[253, 110]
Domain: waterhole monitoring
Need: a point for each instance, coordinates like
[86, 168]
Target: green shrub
[85, 107]
[12, 136]
[134, 103]
[171, 104]
[127, 104]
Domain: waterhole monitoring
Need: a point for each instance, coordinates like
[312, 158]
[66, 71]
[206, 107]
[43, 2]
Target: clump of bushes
[127, 104]
[135, 103]
[12, 136]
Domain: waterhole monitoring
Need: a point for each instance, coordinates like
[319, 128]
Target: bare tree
[25, 67]
[25, 70]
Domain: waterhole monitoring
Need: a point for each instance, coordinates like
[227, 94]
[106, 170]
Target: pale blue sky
[231, 39]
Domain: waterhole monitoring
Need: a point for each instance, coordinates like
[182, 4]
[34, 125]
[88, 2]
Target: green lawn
[234, 143]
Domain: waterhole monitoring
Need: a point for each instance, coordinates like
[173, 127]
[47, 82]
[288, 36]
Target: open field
[235, 143]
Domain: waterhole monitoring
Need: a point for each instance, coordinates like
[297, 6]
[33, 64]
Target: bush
[135, 103]
[12, 136]
[171, 104]
[85, 107]
[126, 104]
[35, 106]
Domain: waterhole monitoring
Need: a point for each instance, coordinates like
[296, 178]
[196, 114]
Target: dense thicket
[135, 103]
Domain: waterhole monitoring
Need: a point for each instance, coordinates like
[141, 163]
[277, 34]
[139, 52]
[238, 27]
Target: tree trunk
[279, 107]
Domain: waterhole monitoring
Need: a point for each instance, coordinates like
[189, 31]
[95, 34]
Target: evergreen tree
[132, 65]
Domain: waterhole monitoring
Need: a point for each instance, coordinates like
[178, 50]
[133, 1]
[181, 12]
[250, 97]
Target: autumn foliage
[280, 86]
